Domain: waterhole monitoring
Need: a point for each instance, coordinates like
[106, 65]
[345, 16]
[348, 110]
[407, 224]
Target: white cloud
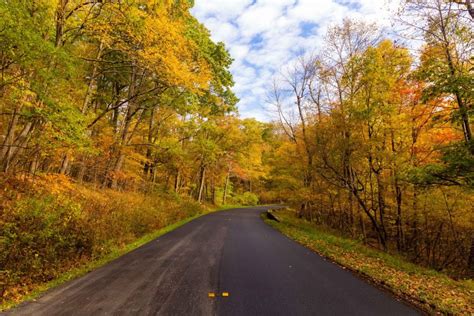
[225, 10]
[258, 19]
[316, 11]
[265, 35]
[222, 31]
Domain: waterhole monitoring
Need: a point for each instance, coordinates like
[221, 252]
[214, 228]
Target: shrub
[248, 198]
[55, 225]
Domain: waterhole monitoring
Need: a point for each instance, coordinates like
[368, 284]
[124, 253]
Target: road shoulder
[429, 290]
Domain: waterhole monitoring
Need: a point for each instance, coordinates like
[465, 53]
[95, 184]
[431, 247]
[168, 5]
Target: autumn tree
[382, 143]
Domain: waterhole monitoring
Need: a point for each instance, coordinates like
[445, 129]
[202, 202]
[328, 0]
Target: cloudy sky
[265, 35]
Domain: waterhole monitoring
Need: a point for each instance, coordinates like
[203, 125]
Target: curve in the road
[232, 251]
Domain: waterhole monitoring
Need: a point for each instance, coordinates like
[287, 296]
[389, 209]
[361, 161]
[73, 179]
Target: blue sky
[265, 36]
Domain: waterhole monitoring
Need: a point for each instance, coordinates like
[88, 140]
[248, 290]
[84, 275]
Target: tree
[446, 62]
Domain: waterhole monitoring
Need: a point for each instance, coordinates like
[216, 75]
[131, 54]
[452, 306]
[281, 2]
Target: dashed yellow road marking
[214, 295]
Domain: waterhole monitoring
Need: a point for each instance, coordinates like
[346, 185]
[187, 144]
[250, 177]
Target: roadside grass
[431, 291]
[114, 253]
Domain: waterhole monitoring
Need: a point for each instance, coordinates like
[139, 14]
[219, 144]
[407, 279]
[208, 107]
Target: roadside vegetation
[434, 292]
[54, 230]
[53, 226]
[375, 140]
[118, 118]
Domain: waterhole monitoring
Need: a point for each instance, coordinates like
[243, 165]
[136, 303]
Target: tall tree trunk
[92, 81]
[398, 197]
[381, 206]
[399, 222]
[5, 153]
[34, 162]
[362, 227]
[85, 106]
[201, 185]
[60, 21]
[64, 164]
[213, 191]
[177, 182]
[125, 134]
[117, 167]
[351, 214]
[226, 185]
[148, 164]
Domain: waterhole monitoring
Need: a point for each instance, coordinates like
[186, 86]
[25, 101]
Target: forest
[118, 118]
[377, 143]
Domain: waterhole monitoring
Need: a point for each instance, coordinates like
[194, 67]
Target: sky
[264, 36]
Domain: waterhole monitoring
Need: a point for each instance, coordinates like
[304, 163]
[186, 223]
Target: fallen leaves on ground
[430, 290]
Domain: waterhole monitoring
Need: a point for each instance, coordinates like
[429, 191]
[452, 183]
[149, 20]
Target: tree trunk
[399, 222]
[213, 192]
[60, 21]
[92, 81]
[148, 164]
[226, 185]
[116, 169]
[177, 182]
[34, 162]
[64, 165]
[381, 203]
[351, 215]
[82, 170]
[201, 185]
[5, 153]
[125, 134]
[398, 197]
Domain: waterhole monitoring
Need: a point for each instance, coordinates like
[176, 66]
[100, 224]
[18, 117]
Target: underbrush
[50, 225]
[432, 291]
[246, 198]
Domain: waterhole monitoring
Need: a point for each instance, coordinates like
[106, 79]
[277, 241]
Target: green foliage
[40, 234]
[247, 198]
[455, 168]
[219, 61]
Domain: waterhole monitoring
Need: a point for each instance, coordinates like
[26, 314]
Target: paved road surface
[234, 251]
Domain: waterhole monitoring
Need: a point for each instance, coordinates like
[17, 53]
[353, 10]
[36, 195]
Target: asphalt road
[233, 251]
